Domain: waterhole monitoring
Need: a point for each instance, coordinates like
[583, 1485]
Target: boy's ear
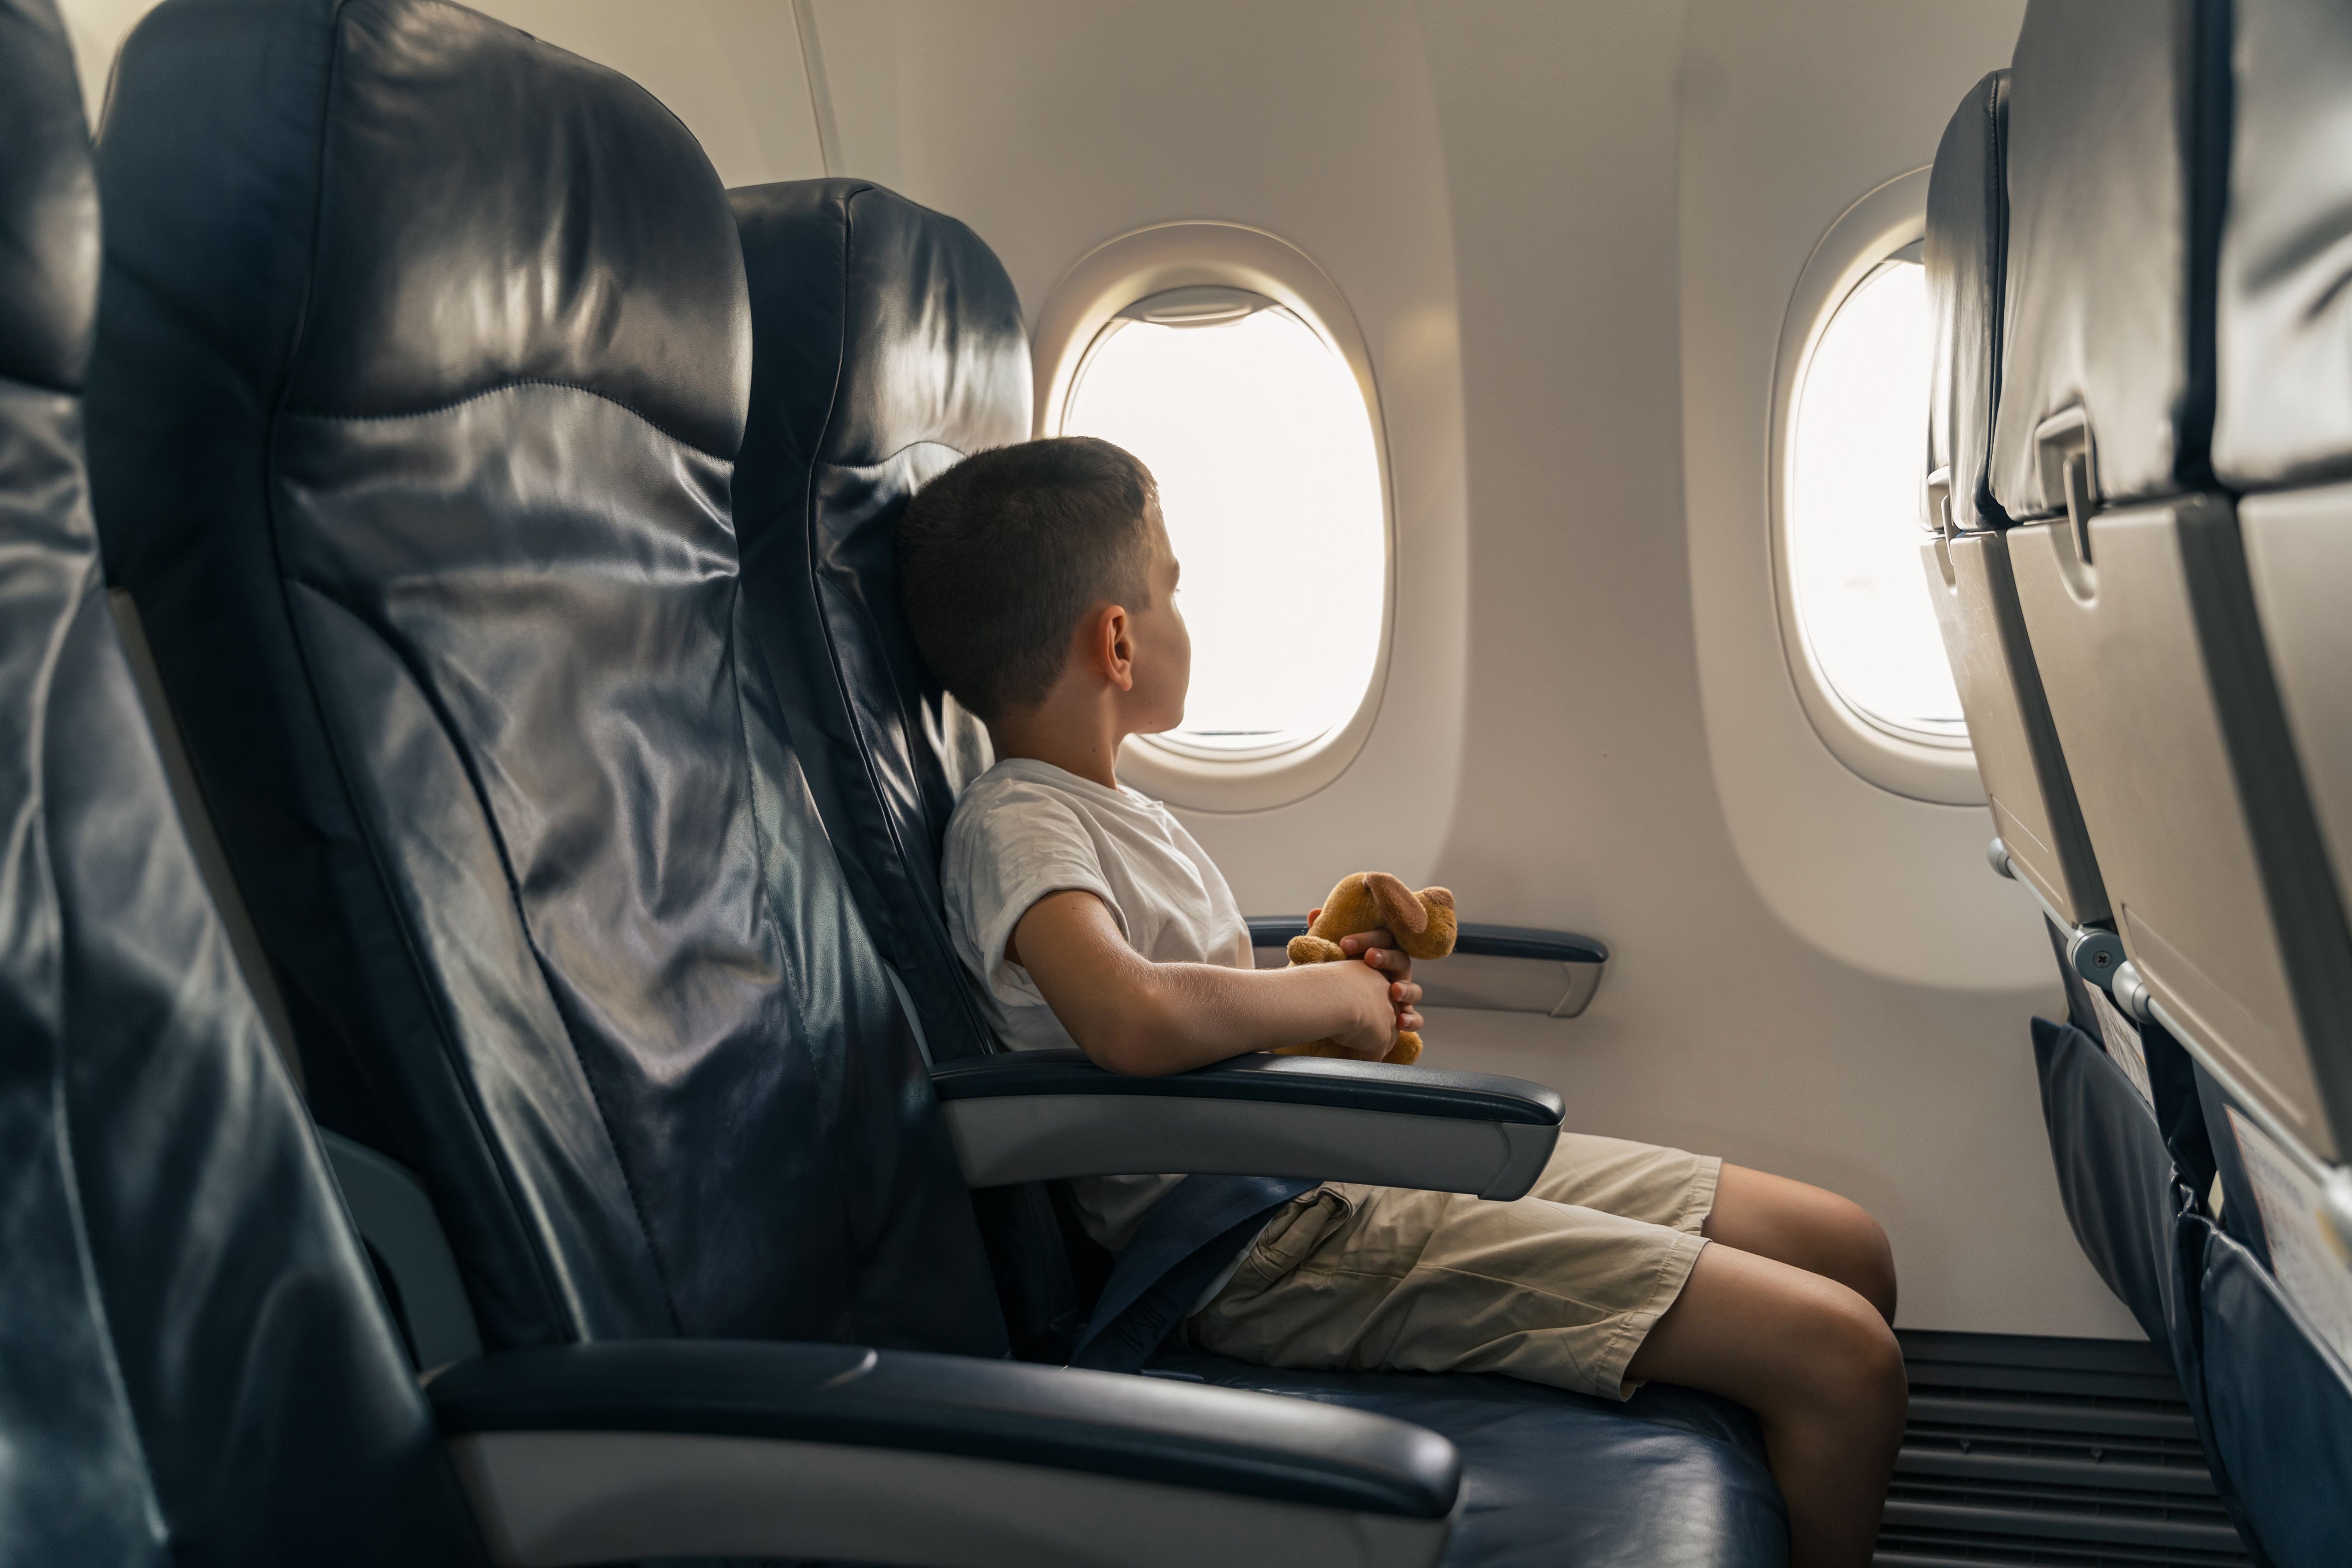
[1111, 645]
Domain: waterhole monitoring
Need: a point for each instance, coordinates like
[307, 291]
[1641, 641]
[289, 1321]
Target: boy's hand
[1379, 949]
[1373, 1034]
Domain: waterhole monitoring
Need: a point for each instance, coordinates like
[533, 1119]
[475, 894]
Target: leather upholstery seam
[976, 1026]
[554, 1296]
[46, 388]
[505, 386]
[466, 762]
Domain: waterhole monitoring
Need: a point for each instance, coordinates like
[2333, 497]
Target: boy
[1041, 587]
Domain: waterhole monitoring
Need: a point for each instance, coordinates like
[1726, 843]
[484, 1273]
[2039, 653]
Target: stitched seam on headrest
[509, 386]
[885, 461]
[31, 385]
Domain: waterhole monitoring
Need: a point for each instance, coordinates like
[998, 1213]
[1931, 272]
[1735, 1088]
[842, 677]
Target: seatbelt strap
[1187, 1239]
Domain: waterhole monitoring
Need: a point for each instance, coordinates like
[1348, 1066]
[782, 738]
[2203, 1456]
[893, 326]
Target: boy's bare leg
[1822, 1370]
[1794, 1223]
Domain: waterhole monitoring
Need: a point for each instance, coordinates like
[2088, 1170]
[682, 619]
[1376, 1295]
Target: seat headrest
[882, 326]
[48, 204]
[1968, 240]
[2284, 413]
[429, 194]
[887, 343]
[2118, 133]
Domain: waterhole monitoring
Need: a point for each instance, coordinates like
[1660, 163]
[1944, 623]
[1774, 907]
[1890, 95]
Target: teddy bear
[1423, 923]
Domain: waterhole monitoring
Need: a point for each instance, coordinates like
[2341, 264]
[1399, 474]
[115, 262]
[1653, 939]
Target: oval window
[1270, 483]
[1852, 525]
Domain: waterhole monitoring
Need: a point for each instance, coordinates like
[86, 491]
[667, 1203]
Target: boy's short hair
[1000, 555]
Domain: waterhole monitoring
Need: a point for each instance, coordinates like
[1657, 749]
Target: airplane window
[1852, 522]
[1263, 446]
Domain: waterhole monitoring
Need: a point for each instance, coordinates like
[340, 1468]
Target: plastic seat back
[2031, 797]
[416, 399]
[197, 1365]
[2134, 595]
[2282, 439]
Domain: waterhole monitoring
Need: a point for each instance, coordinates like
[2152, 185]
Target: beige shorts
[1559, 1287]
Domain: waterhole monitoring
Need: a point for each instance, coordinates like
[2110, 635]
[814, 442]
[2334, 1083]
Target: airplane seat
[887, 342]
[2164, 664]
[2030, 795]
[413, 409]
[908, 354]
[2101, 1101]
[197, 1365]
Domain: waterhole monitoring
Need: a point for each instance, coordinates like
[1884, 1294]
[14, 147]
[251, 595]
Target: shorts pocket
[1300, 1227]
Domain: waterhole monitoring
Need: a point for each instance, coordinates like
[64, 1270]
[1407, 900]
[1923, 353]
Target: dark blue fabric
[1553, 1479]
[2114, 1175]
[2279, 1411]
[1184, 1242]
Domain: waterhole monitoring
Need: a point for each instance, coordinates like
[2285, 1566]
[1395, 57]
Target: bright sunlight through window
[1852, 529]
[1262, 447]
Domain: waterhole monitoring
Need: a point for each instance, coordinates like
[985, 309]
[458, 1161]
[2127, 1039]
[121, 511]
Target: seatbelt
[1189, 1237]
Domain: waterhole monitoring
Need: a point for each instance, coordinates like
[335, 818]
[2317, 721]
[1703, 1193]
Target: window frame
[1098, 289]
[1925, 766]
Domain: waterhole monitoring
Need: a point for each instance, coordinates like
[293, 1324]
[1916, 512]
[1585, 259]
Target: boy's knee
[1862, 1360]
[1865, 1259]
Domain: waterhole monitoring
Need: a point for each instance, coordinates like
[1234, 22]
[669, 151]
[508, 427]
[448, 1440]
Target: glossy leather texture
[2284, 315]
[2280, 1412]
[416, 397]
[1968, 239]
[2119, 131]
[887, 343]
[197, 1367]
[1550, 1479]
[49, 207]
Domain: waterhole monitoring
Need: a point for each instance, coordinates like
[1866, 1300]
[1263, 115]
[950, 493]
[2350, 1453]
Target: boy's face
[1163, 645]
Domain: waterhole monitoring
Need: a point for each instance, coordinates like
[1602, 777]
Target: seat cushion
[1554, 1479]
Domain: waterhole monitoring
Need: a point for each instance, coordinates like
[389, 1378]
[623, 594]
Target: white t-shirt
[1026, 828]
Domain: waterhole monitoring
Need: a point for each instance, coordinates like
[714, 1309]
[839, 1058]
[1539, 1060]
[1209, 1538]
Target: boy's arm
[1132, 1016]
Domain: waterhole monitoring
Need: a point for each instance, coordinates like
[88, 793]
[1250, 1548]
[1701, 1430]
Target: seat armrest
[1469, 937]
[1508, 969]
[1024, 1116]
[679, 1447]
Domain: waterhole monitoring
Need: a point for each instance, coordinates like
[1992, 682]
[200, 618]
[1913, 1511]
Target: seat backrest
[2035, 815]
[416, 403]
[887, 343]
[2283, 438]
[2118, 145]
[197, 1367]
[1967, 250]
[2137, 598]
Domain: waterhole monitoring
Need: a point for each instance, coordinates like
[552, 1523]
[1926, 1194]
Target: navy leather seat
[889, 342]
[414, 413]
[415, 398]
[197, 1368]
